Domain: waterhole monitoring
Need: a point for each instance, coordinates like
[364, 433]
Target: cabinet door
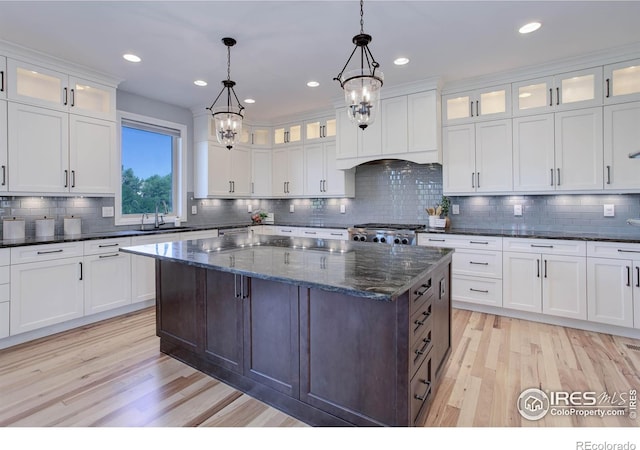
[533, 153]
[370, 139]
[423, 124]
[3, 77]
[636, 294]
[37, 85]
[493, 103]
[92, 99]
[579, 89]
[336, 182]
[314, 169]
[101, 292]
[38, 149]
[271, 340]
[456, 107]
[45, 293]
[622, 82]
[494, 156]
[521, 285]
[261, 173]
[4, 185]
[295, 176]
[459, 168]
[92, 155]
[532, 96]
[394, 125]
[219, 174]
[280, 171]
[143, 270]
[579, 149]
[564, 286]
[240, 171]
[621, 138]
[223, 310]
[346, 136]
[610, 291]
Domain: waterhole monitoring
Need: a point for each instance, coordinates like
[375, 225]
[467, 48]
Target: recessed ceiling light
[313, 84]
[131, 57]
[249, 100]
[530, 27]
[200, 83]
[401, 61]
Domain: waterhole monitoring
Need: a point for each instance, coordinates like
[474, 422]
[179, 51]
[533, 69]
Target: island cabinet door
[223, 306]
[354, 357]
[441, 318]
[179, 305]
[271, 345]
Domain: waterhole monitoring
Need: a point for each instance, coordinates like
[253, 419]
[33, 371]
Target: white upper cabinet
[622, 82]
[533, 153]
[481, 104]
[320, 129]
[621, 138]
[254, 136]
[288, 134]
[261, 184]
[478, 157]
[288, 171]
[40, 86]
[220, 172]
[570, 90]
[4, 185]
[322, 179]
[393, 117]
[3, 77]
[424, 123]
[92, 155]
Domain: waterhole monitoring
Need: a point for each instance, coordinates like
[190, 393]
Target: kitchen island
[331, 332]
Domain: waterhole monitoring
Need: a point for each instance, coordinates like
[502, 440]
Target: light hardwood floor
[112, 374]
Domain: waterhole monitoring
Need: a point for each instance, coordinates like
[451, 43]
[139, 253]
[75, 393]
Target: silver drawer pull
[107, 245]
[427, 392]
[50, 251]
[541, 246]
[479, 290]
[310, 232]
[479, 242]
[108, 256]
[479, 263]
[336, 234]
[628, 251]
[436, 240]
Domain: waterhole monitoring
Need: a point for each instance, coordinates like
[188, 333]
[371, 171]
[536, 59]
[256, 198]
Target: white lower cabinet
[46, 285]
[5, 298]
[143, 268]
[613, 274]
[107, 275]
[476, 266]
[545, 276]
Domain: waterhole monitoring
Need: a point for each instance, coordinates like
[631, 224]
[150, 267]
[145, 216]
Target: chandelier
[227, 118]
[362, 86]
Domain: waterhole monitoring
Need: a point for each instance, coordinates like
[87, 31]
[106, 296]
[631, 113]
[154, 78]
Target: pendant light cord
[361, 16]
[228, 63]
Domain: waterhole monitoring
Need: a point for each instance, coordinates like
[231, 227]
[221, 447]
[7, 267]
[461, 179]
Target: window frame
[179, 171]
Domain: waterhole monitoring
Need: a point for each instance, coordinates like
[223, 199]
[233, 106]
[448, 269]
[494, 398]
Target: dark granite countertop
[380, 272]
[539, 234]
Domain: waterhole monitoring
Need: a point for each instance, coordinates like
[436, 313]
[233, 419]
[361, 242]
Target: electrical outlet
[517, 210]
[249, 208]
[194, 209]
[292, 208]
[343, 209]
[455, 209]
[609, 210]
[107, 211]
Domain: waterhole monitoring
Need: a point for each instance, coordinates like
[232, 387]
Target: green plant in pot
[445, 204]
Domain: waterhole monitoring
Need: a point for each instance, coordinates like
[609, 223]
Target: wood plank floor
[112, 374]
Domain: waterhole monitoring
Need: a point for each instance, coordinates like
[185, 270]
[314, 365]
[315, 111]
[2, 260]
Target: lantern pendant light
[362, 86]
[228, 118]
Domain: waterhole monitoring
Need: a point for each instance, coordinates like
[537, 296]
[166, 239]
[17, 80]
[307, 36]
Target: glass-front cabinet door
[579, 89]
[622, 82]
[287, 134]
[481, 104]
[36, 85]
[91, 99]
[320, 129]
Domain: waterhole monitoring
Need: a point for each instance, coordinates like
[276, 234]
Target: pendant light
[362, 86]
[227, 118]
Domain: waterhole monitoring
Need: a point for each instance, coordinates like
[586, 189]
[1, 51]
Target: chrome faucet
[144, 215]
[160, 220]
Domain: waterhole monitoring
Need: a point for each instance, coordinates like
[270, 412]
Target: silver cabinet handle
[628, 251]
[479, 290]
[545, 268]
[473, 178]
[66, 178]
[107, 245]
[80, 271]
[321, 186]
[608, 82]
[471, 109]
[436, 240]
[109, 256]
[477, 108]
[50, 251]
[538, 264]
[551, 177]
[558, 182]
[1, 80]
[66, 92]
[4, 175]
[310, 232]
[608, 174]
[550, 97]
[479, 263]
[557, 96]
[638, 276]
[73, 97]
[628, 276]
[479, 242]
[73, 178]
[541, 246]
[253, 190]
[478, 179]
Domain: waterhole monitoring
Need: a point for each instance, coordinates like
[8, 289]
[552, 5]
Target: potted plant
[258, 217]
[445, 204]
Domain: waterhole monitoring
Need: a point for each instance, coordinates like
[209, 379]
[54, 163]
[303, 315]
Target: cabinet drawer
[286, 231]
[46, 252]
[484, 291]
[419, 350]
[420, 292]
[4, 319]
[420, 321]
[477, 263]
[613, 250]
[5, 275]
[548, 246]
[5, 256]
[4, 293]
[460, 241]
[420, 391]
[105, 245]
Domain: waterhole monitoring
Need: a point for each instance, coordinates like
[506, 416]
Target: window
[152, 164]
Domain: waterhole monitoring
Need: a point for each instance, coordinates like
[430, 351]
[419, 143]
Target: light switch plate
[107, 211]
[291, 208]
[194, 209]
[249, 208]
[517, 210]
[343, 209]
[455, 209]
[609, 210]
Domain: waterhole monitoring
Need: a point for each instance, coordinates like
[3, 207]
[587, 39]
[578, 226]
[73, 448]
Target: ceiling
[283, 44]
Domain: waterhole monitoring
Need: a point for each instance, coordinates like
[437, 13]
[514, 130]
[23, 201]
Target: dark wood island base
[324, 357]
